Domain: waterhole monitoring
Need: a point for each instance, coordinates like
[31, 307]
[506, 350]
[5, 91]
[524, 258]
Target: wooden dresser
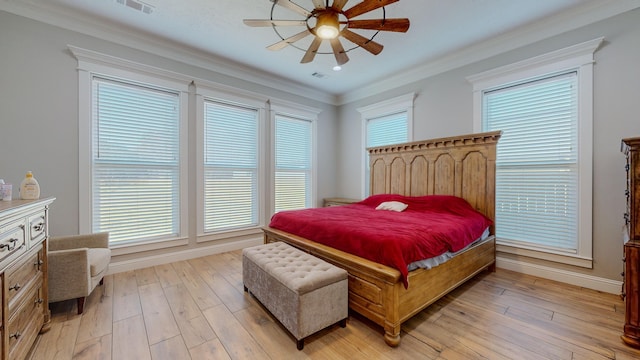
[631, 335]
[23, 275]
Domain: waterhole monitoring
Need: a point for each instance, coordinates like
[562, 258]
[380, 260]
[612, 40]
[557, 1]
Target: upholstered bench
[304, 293]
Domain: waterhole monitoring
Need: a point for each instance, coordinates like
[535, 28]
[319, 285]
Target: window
[230, 166]
[131, 138]
[537, 162]
[292, 163]
[543, 165]
[388, 129]
[388, 122]
[293, 172]
[136, 161]
[230, 128]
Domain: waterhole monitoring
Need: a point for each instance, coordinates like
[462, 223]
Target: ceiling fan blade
[398, 25]
[369, 45]
[338, 51]
[290, 40]
[366, 6]
[293, 7]
[312, 50]
[260, 23]
[339, 4]
[319, 4]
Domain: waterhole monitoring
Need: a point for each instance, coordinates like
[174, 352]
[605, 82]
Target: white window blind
[384, 130]
[230, 166]
[293, 163]
[537, 161]
[388, 129]
[135, 160]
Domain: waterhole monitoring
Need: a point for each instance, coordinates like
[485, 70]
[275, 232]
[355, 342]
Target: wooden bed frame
[463, 166]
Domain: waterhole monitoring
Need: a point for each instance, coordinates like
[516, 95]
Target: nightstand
[338, 201]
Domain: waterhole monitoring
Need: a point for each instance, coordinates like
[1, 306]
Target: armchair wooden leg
[80, 301]
[102, 281]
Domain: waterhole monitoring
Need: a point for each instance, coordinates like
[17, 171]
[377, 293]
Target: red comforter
[428, 227]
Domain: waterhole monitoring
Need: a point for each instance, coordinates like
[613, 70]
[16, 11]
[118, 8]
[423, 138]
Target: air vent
[137, 5]
[319, 75]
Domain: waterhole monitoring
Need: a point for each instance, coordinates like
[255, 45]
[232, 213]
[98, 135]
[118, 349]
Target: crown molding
[589, 13]
[72, 20]
[586, 14]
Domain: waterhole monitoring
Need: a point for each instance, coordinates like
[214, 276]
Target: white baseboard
[143, 262]
[569, 277]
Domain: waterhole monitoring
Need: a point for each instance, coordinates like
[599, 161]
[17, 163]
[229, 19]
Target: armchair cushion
[98, 260]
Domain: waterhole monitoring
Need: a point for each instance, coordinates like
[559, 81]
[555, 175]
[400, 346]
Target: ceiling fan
[326, 22]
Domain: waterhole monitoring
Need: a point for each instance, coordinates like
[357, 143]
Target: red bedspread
[430, 226]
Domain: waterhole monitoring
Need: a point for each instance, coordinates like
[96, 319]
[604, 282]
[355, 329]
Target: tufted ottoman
[304, 293]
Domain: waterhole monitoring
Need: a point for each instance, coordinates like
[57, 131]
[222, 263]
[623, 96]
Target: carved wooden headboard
[463, 166]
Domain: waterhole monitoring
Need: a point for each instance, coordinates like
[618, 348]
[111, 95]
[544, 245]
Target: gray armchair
[77, 264]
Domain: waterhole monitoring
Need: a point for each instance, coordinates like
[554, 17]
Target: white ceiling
[212, 31]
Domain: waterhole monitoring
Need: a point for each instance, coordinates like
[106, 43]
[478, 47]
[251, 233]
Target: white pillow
[392, 205]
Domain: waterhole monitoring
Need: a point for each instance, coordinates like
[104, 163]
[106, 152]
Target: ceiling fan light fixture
[328, 26]
[329, 23]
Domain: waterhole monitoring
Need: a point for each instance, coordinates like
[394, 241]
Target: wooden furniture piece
[338, 201]
[303, 292]
[463, 166]
[23, 274]
[631, 332]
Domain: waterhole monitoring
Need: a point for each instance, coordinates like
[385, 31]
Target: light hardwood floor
[197, 309]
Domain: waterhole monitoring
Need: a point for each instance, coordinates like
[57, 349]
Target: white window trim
[286, 108]
[580, 58]
[217, 92]
[383, 108]
[91, 63]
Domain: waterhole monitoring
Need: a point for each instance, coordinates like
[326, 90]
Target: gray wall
[39, 113]
[444, 107]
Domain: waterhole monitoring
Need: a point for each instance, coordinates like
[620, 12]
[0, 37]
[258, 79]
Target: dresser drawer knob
[38, 227]
[38, 301]
[10, 246]
[38, 263]
[16, 287]
[16, 335]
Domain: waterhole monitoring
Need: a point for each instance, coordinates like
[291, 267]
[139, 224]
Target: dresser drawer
[37, 227]
[12, 243]
[21, 276]
[25, 323]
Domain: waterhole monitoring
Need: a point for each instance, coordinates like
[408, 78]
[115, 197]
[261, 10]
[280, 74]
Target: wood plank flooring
[197, 309]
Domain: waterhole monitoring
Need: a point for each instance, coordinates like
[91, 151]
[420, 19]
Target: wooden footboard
[377, 292]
